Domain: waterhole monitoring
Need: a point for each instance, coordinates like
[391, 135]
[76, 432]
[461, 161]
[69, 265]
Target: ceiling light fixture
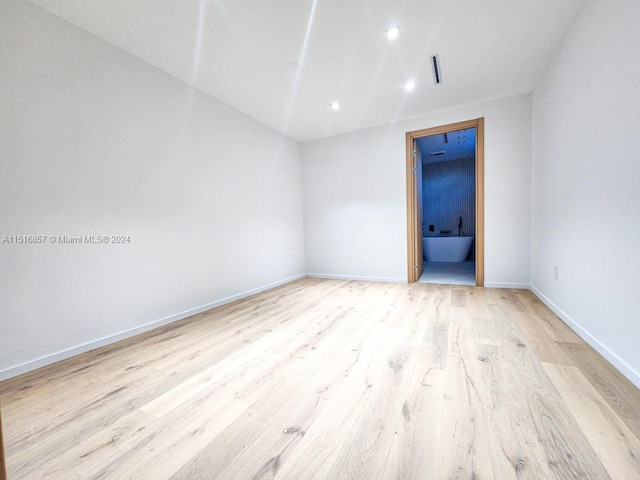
[393, 32]
[410, 86]
[335, 106]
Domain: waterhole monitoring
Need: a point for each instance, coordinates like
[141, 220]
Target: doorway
[414, 205]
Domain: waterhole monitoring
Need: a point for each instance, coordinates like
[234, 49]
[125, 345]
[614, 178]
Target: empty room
[319, 239]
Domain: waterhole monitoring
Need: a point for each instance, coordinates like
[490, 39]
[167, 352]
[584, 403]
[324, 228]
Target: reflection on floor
[450, 273]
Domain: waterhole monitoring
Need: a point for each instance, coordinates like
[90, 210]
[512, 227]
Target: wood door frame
[414, 234]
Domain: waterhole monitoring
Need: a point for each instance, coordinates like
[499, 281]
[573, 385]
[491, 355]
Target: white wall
[586, 182]
[355, 204]
[95, 142]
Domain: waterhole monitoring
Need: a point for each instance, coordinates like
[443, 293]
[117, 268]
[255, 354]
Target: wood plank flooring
[328, 379]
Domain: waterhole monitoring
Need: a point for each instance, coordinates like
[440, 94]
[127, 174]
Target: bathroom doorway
[445, 239]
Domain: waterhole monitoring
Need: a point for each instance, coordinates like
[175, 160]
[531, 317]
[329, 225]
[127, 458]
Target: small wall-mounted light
[393, 32]
[335, 106]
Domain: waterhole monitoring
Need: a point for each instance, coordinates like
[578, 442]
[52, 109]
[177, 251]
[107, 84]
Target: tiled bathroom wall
[448, 193]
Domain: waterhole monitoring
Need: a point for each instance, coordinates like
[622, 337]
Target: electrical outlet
[555, 272]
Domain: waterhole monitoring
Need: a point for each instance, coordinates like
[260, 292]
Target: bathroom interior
[446, 187]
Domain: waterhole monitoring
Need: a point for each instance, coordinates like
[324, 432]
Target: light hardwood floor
[325, 379]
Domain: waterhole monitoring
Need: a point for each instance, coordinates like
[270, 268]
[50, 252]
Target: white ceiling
[239, 51]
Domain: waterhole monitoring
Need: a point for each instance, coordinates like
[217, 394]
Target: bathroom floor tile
[449, 273]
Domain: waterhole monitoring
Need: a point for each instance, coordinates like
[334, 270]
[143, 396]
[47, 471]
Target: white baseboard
[85, 347]
[352, 277]
[518, 286]
[602, 349]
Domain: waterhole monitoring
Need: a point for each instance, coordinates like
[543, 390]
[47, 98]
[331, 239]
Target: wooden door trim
[412, 201]
[480, 202]
[412, 212]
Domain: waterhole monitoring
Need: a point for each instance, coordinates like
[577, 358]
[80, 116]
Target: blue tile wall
[448, 192]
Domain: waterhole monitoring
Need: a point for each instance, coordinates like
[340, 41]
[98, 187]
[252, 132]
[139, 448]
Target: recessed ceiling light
[410, 86]
[393, 32]
[335, 106]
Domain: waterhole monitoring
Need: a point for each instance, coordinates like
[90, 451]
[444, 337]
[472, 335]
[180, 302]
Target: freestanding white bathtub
[446, 249]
